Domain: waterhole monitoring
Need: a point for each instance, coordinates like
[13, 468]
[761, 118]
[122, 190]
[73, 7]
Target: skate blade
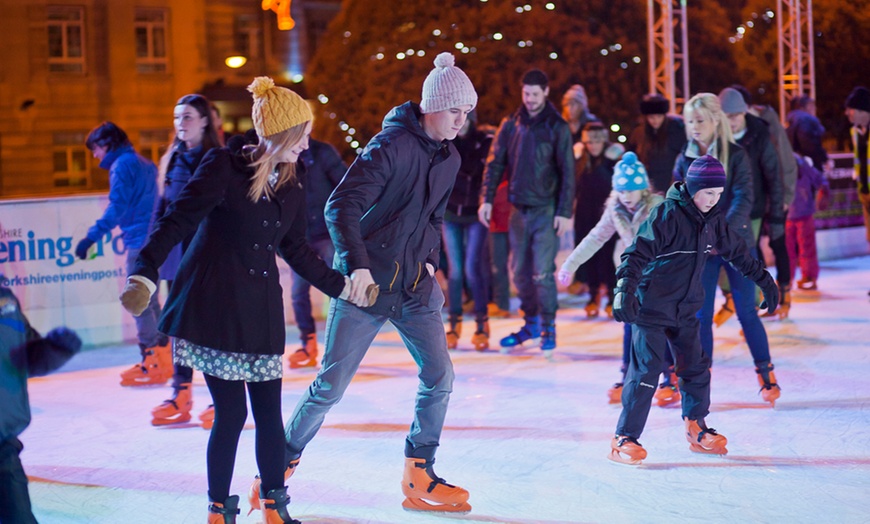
[180, 419]
[697, 448]
[415, 504]
[670, 401]
[617, 457]
[143, 383]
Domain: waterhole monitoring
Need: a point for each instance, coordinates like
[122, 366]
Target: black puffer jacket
[386, 213]
[321, 170]
[737, 199]
[658, 150]
[665, 262]
[536, 155]
[767, 189]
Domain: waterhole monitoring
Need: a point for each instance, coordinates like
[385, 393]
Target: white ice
[527, 437]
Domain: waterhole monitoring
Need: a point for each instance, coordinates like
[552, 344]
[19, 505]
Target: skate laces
[435, 478]
[706, 430]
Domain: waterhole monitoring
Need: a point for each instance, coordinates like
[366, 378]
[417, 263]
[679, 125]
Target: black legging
[230, 412]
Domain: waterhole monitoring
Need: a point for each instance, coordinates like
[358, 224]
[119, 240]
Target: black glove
[770, 291]
[83, 246]
[44, 355]
[625, 303]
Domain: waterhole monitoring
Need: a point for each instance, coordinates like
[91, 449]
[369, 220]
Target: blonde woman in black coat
[225, 309]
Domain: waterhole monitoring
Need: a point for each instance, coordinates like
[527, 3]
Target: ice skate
[725, 312]
[175, 410]
[425, 491]
[626, 450]
[454, 333]
[770, 390]
[703, 439]
[592, 307]
[668, 392]
[614, 394]
[548, 338]
[224, 512]
[807, 284]
[206, 418]
[480, 339]
[578, 288]
[152, 371]
[306, 356]
[254, 491]
[531, 330]
[493, 311]
[274, 504]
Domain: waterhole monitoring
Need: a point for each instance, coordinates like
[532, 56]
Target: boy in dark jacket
[659, 291]
[23, 353]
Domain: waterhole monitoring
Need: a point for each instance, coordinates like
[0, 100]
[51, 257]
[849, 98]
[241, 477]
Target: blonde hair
[708, 106]
[266, 155]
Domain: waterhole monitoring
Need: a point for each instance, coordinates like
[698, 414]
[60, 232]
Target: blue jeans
[535, 244]
[14, 499]
[501, 284]
[300, 292]
[350, 332]
[464, 245]
[146, 323]
[743, 291]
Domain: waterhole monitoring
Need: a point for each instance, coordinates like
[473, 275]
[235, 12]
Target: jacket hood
[407, 117]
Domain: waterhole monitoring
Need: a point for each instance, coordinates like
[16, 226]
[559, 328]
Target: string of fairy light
[466, 47]
[755, 18]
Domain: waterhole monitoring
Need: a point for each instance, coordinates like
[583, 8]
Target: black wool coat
[227, 293]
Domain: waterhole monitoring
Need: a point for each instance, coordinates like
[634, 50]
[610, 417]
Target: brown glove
[135, 296]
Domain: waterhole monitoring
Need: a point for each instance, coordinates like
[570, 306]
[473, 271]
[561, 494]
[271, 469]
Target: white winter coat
[615, 220]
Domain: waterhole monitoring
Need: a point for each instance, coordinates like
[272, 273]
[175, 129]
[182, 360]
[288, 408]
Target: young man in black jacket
[533, 150]
[385, 221]
[659, 291]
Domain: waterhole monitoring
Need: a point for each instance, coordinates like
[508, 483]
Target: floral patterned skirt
[225, 364]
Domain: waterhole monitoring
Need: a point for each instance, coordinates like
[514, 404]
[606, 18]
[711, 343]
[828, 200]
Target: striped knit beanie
[276, 108]
[705, 172]
[446, 87]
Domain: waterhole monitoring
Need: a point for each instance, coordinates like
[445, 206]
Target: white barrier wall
[37, 261]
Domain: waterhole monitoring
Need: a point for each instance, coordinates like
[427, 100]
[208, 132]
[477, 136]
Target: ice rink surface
[527, 437]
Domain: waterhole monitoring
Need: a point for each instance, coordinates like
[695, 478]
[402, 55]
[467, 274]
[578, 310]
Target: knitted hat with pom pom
[446, 87]
[629, 174]
[276, 108]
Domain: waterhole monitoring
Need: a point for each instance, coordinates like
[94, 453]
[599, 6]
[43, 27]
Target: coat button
[256, 247]
[251, 271]
[278, 223]
[269, 247]
[392, 308]
[265, 223]
[265, 273]
[384, 245]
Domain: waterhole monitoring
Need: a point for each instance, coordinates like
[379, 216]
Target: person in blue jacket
[132, 201]
[23, 353]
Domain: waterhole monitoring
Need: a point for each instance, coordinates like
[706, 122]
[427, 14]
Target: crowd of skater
[660, 223]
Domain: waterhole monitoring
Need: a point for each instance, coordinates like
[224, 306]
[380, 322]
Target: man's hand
[484, 214]
[360, 281]
[562, 225]
[83, 246]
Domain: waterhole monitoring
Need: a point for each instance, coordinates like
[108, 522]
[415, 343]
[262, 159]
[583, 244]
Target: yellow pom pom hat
[276, 108]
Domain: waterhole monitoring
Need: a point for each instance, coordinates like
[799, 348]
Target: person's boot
[531, 330]
[703, 439]
[480, 339]
[175, 410]
[626, 450]
[254, 491]
[425, 491]
[454, 332]
[306, 356]
[726, 311]
[274, 505]
[770, 390]
[206, 418]
[669, 391]
[548, 340]
[224, 512]
[149, 372]
[593, 307]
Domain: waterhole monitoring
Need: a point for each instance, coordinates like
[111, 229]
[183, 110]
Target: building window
[66, 52]
[153, 143]
[150, 26]
[71, 160]
[246, 36]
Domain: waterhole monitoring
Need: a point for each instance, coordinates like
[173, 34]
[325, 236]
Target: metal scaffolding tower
[797, 70]
[668, 50]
